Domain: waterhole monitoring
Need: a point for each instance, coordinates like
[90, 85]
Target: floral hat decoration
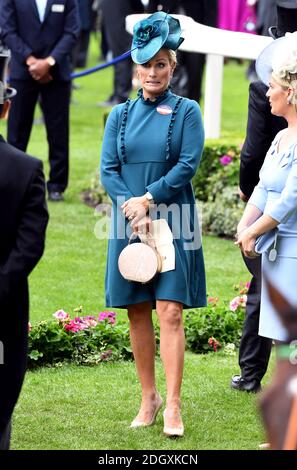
[279, 57]
[150, 35]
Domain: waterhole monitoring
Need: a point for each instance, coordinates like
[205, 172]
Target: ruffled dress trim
[158, 100]
[123, 130]
[149, 102]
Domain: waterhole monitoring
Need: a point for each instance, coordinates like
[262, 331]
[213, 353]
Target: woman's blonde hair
[172, 56]
[288, 81]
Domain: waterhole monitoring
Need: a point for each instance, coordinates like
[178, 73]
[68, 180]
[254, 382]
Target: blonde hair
[171, 56]
[288, 81]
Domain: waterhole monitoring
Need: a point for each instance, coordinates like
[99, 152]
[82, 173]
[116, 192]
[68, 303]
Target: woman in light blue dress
[151, 149]
[274, 200]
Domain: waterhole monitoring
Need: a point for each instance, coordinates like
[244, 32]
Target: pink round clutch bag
[139, 262]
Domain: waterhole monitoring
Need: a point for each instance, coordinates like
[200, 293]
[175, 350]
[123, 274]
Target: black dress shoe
[55, 196]
[243, 385]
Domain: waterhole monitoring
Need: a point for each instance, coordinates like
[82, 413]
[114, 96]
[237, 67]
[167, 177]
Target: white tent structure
[216, 44]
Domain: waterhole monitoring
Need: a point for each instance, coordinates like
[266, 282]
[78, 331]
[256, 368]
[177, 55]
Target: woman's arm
[110, 164]
[178, 177]
[174, 181]
[247, 236]
[286, 205]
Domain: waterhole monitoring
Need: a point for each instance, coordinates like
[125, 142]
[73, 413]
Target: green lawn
[86, 408]
[91, 408]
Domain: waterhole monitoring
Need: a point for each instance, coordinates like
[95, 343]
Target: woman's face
[278, 98]
[155, 74]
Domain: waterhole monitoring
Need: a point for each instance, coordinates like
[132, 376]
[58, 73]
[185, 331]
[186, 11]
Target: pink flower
[61, 315]
[91, 322]
[225, 160]
[214, 343]
[29, 326]
[73, 326]
[247, 284]
[110, 316]
[237, 302]
[213, 300]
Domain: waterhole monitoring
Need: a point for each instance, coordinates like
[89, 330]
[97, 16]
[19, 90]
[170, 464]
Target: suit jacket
[24, 34]
[262, 127]
[23, 220]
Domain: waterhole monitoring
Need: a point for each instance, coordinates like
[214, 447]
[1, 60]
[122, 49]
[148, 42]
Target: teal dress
[155, 146]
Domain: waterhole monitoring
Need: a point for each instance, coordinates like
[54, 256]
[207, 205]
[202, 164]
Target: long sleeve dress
[155, 146]
[276, 196]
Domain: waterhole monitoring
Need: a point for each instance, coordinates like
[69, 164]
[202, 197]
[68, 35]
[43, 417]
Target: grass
[91, 408]
[86, 408]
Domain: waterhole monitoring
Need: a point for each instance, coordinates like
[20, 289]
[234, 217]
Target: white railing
[216, 44]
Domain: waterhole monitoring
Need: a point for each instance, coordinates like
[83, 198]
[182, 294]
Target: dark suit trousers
[119, 41]
[204, 12]
[5, 438]
[254, 350]
[55, 99]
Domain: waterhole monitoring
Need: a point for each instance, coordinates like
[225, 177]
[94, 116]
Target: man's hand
[39, 69]
[46, 79]
[30, 60]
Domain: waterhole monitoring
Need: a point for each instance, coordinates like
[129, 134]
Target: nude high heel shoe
[136, 423]
[170, 431]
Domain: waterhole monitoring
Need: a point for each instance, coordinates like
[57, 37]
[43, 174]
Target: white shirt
[41, 6]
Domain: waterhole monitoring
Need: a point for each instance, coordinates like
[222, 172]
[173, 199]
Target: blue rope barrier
[101, 66]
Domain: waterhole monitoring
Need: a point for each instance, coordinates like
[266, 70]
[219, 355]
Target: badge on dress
[164, 109]
[58, 8]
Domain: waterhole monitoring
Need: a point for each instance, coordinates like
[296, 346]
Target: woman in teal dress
[151, 149]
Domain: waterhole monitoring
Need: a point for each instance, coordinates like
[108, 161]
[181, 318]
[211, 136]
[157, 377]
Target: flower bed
[92, 339]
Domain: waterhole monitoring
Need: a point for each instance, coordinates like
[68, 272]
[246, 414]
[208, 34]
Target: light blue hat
[279, 57]
[150, 35]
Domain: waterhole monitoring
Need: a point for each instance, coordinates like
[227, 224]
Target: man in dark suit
[41, 36]
[114, 14]
[23, 219]
[262, 127]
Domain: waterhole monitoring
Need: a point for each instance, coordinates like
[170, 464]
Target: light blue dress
[276, 196]
[156, 147]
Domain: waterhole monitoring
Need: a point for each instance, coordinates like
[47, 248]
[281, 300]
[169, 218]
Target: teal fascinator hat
[150, 35]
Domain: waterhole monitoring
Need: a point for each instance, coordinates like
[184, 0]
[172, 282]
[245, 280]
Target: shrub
[221, 215]
[82, 340]
[89, 340]
[221, 205]
[216, 323]
[219, 164]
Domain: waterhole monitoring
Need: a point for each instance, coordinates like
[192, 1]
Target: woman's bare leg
[172, 348]
[144, 347]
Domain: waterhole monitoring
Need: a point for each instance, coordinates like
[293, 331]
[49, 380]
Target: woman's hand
[135, 208]
[142, 226]
[246, 242]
